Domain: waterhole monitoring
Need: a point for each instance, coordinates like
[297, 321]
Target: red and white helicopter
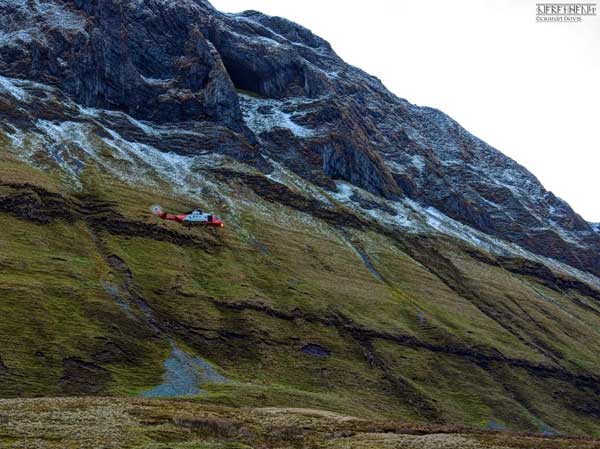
[192, 218]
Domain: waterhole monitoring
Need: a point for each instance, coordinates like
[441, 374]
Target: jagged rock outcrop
[148, 59]
[270, 89]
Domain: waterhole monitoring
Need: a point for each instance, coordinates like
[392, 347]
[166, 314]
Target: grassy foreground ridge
[112, 423]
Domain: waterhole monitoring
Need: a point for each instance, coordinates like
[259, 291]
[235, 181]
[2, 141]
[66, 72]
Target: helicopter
[194, 217]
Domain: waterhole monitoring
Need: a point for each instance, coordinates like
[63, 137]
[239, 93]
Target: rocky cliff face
[287, 97]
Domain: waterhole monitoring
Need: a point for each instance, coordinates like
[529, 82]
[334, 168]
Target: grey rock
[184, 375]
[316, 350]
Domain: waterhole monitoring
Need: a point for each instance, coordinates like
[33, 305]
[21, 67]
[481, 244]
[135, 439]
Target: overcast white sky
[529, 89]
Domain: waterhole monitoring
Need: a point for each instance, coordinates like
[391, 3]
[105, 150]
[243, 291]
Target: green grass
[54, 306]
[249, 297]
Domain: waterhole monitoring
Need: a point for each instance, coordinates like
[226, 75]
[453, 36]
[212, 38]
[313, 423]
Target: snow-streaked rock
[263, 115]
[269, 94]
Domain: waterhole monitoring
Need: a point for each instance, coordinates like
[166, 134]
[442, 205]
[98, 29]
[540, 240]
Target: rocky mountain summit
[264, 89]
[377, 259]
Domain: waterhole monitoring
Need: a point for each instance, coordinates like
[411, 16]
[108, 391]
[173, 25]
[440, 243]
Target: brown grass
[177, 424]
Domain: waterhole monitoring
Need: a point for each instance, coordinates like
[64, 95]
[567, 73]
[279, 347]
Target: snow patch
[181, 172]
[16, 137]
[7, 37]
[263, 114]
[9, 86]
[262, 30]
[344, 191]
[418, 162]
[415, 160]
[148, 128]
[290, 179]
[35, 17]
[395, 167]
[156, 81]
[403, 217]
[70, 144]
[60, 16]
[410, 216]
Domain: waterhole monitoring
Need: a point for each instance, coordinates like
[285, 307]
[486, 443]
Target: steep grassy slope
[294, 310]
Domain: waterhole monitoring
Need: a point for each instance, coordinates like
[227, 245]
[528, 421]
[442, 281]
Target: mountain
[377, 259]
[335, 121]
